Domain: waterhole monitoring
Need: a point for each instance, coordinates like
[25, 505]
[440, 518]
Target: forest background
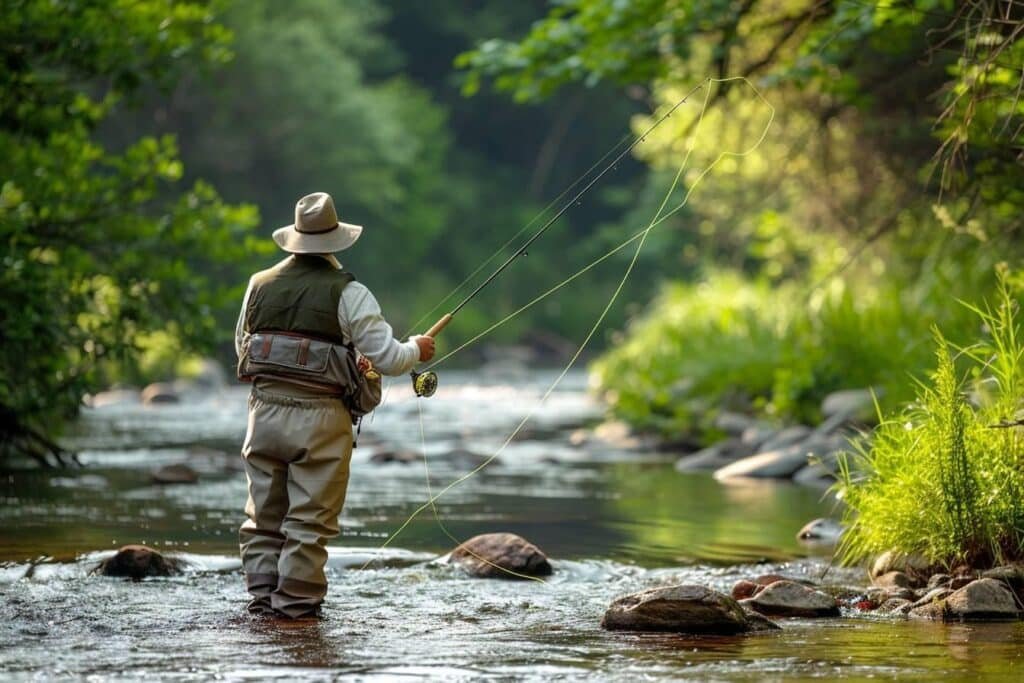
[150, 147]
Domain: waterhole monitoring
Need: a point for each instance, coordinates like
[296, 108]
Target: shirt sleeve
[363, 322]
[240, 325]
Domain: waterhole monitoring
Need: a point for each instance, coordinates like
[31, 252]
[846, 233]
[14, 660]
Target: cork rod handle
[439, 325]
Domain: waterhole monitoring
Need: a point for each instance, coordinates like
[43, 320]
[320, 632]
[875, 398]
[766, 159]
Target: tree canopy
[101, 247]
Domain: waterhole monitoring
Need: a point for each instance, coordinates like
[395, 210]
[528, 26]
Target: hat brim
[338, 238]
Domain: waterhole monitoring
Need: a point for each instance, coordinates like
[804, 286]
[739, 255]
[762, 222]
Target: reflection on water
[612, 521]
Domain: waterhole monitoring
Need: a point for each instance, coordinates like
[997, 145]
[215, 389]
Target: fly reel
[424, 383]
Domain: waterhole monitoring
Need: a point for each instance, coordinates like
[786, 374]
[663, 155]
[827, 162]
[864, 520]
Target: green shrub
[735, 343]
[944, 476]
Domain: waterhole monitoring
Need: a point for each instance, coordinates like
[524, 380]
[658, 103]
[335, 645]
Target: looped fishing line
[641, 236]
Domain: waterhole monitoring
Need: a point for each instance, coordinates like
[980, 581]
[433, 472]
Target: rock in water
[681, 609]
[487, 556]
[160, 392]
[399, 456]
[981, 600]
[791, 599]
[137, 562]
[892, 580]
[851, 403]
[820, 532]
[913, 565]
[175, 474]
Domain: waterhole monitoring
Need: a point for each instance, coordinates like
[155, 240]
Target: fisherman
[300, 435]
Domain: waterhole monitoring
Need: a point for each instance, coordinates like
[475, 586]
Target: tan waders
[297, 451]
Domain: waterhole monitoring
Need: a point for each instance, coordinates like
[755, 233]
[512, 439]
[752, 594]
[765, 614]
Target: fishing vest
[299, 296]
[292, 332]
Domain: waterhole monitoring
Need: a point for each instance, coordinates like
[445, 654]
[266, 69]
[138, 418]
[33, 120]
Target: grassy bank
[944, 476]
[747, 344]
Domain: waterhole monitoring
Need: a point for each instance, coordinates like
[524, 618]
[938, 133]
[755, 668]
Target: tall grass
[944, 476]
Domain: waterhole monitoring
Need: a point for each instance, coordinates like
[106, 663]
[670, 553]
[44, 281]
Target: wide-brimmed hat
[317, 229]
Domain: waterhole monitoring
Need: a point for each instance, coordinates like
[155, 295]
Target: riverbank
[614, 518]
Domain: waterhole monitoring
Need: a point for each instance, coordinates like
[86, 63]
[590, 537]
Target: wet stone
[981, 600]
[744, 589]
[138, 562]
[495, 556]
[912, 565]
[682, 609]
[892, 580]
[398, 456]
[939, 581]
[791, 599]
[895, 606]
[175, 474]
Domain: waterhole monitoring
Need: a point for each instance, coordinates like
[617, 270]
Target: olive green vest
[300, 295]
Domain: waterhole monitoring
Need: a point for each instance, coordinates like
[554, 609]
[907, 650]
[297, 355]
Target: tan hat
[317, 229]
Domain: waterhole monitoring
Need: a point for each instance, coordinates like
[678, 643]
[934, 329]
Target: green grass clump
[944, 477]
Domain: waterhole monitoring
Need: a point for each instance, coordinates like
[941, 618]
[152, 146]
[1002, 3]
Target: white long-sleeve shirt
[361, 321]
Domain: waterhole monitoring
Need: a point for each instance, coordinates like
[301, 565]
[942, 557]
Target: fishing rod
[424, 384]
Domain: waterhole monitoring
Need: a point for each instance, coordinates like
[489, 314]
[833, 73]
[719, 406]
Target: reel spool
[424, 383]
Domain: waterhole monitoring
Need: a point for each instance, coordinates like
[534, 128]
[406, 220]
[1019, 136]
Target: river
[613, 520]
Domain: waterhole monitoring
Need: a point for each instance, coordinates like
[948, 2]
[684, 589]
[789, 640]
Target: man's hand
[426, 345]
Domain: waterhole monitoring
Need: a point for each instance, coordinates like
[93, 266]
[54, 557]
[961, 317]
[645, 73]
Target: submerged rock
[175, 474]
[682, 609]
[399, 456]
[981, 600]
[791, 599]
[494, 556]
[138, 562]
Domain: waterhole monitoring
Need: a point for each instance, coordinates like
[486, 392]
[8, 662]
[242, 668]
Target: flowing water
[613, 518]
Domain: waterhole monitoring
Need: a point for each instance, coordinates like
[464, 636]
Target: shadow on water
[612, 521]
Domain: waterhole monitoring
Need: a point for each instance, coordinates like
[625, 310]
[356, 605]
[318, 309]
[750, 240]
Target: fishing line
[437, 516]
[642, 237]
[565, 207]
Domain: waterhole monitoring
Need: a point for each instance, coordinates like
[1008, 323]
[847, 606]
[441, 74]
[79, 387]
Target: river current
[614, 517]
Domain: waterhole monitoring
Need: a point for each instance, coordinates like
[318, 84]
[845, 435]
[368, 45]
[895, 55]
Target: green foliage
[944, 476]
[777, 349]
[880, 55]
[98, 249]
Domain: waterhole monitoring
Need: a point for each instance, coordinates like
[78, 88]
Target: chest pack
[323, 365]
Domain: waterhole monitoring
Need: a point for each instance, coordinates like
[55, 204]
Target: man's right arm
[363, 322]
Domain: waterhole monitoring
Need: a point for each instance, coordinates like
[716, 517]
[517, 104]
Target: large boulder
[981, 600]
[138, 562]
[501, 556]
[681, 609]
[791, 599]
